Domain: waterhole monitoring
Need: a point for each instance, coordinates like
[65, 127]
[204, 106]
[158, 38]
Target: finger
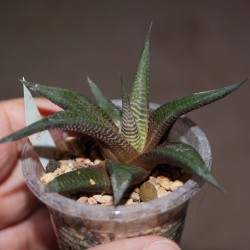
[34, 233]
[46, 107]
[17, 202]
[11, 120]
[140, 243]
[13, 110]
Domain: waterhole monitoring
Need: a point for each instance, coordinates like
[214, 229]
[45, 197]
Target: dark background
[196, 46]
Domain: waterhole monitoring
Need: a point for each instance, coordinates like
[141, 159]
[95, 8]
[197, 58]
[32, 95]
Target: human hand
[140, 243]
[24, 221]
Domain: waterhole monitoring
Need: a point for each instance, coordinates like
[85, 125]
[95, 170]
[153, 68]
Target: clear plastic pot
[80, 226]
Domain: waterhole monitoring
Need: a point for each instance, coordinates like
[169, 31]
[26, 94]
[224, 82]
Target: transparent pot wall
[84, 232]
[80, 226]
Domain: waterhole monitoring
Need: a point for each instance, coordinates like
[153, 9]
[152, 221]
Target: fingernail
[163, 245]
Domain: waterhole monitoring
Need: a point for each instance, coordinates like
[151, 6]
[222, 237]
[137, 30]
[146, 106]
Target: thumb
[140, 243]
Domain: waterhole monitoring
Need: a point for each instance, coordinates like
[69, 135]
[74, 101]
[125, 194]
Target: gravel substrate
[78, 153]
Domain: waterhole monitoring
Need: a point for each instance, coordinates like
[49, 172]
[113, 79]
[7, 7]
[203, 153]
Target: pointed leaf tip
[185, 156]
[212, 181]
[123, 176]
[163, 117]
[139, 96]
[105, 103]
[149, 29]
[29, 85]
[243, 81]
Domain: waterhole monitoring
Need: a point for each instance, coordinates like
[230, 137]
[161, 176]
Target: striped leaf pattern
[129, 128]
[124, 176]
[182, 155]
[163, 117]
[91, 180]
[75, 121]
[139, 97]
[105, 104]
[70, 100]
[129, 139]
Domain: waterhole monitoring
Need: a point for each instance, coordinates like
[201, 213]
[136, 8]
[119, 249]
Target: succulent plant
[133, 140]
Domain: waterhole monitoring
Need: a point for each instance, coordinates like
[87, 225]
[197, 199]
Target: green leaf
[70, 100]
[75, 121]
[164, 116]
[88, 180]
[139, 97]
[129, 128]
[105, 103]
[182, 155]
[123, 176]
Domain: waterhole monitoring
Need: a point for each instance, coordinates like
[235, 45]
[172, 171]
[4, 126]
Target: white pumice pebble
[92, 201]
[82, 199]
[103, 198]
[158, 185]
[47, 178]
